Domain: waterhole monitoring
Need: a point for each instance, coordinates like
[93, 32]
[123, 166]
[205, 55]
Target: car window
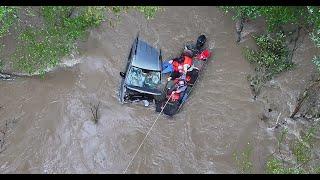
[143, 78]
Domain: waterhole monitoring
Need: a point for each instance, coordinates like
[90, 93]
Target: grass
[149, 11]
[275, 166]
[302, 147]
[243, 160]
[316, 170]
[7, 19]
[43, 47]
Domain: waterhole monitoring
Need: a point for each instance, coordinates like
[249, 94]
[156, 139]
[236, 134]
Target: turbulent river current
[49, 120]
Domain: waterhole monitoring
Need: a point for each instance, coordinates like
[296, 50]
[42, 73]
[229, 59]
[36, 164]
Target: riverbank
[50, 128]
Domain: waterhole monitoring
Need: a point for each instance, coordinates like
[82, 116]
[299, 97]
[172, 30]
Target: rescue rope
[146, 135]
[203, 67]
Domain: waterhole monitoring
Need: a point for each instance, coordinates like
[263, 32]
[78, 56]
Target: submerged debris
[3, 137]
[5, 76]
[95, 112]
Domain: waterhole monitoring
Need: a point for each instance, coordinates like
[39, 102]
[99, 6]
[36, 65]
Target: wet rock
[311, 104]
[245, 28]
[298, 115]
[239, 28]
[254, 91]
[309, 116]
[4, 76]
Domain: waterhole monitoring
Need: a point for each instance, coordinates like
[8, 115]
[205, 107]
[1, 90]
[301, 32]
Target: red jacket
[187, 60]
[176, 64]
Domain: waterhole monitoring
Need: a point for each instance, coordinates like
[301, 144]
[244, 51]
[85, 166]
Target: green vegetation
[302, 147]
[243, 161]
[306, 17]
[301, 150]
[149, 11]
[7, 18]
[41, 46]
[314, 19]
[270, 59]
[242, 12]
[275, 166]
[316, 61]
[275, 16]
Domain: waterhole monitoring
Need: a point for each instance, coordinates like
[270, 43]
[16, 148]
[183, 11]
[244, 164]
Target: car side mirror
[122, 74]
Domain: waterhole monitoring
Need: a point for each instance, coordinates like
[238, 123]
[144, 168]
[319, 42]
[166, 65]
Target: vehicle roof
[146, 57]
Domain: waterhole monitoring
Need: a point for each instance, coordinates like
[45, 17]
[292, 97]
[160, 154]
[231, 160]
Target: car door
[131, 53]
[122, 89]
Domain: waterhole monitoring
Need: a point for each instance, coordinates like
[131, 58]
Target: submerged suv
[141, 80]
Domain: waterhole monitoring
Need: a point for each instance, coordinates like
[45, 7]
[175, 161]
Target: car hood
[146, 57]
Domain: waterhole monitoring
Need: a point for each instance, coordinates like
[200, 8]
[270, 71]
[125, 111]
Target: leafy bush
[272, 54]
[314, 19]
[7, 19]
[250, 12]
[275, 16]
[269, 60]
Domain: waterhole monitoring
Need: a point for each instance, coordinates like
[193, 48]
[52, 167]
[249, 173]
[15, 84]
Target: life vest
[175, 97]
[204, 55]
[188, 78]
[179, 66]
[176, 65]
[187, 60]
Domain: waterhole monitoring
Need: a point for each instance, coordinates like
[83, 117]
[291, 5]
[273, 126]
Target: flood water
[49, 120]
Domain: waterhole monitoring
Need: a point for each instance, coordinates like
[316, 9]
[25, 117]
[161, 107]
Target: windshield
[143, 78]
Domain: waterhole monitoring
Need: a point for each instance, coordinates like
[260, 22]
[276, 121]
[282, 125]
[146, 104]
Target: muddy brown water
[50, 126]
